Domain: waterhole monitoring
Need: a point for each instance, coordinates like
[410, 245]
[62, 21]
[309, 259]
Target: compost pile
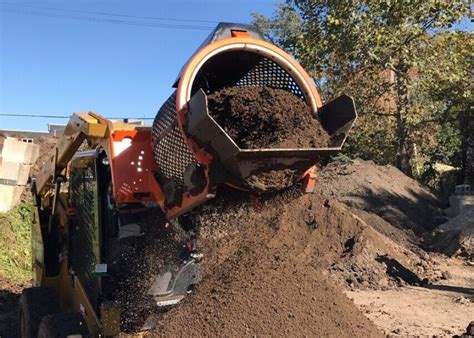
[265, 269]
[399, 212]
[384, 191]
[262, 117]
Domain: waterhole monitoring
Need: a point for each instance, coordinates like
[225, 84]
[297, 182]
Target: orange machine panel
[133, 166]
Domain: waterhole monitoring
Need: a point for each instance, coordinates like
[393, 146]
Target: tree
[372, 50]
[446, 79]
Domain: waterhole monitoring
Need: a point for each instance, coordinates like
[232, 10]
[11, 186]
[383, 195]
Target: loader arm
[80, 127]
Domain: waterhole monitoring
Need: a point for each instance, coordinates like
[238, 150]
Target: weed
[15, 244]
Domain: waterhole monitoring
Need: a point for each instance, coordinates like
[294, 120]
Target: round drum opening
[256, 99]
[243, 68]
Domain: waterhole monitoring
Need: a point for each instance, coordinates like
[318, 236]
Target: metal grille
[267, 73]
[165, 118]
[169, 148]
[83, 189]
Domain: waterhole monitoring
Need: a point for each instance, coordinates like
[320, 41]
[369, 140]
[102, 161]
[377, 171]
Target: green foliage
[410, 75]
[15, 244]
[340, 157]
[367, 137]
[446, 81]
[286, 31]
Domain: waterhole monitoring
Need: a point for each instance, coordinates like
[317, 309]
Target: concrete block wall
[19, 151]
[15, 172]
[17, 158]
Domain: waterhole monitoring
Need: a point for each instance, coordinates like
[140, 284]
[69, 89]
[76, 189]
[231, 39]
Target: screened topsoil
[262, 117]
[265, 269]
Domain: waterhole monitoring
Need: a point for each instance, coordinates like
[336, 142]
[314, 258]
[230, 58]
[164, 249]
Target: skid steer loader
[88, 202]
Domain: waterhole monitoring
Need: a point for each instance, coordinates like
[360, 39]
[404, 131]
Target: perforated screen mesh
[170, 151]
[267, 73]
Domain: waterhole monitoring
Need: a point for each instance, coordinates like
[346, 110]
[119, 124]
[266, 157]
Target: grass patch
[15, 244]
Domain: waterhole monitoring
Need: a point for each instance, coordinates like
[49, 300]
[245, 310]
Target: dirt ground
[263, 117]
[441, 309]
[389, 273]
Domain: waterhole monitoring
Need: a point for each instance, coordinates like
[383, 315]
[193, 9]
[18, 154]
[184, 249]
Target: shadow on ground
[420, 213]
[8, 313]
[399, 272]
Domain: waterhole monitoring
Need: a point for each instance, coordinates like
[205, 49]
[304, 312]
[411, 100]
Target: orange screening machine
[193, 154]
[175, 165]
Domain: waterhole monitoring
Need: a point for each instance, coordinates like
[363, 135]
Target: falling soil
[139, 261]
[261, 117]
[265, 269]
[273, 180]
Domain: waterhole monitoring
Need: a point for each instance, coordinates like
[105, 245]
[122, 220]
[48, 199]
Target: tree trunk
[466, 120]
[405, 147]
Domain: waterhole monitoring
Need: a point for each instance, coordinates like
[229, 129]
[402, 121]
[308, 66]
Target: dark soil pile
[397, 210]
[385, 191]
[265, 270]
[261, 117]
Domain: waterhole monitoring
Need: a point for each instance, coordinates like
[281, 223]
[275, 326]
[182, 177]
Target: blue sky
[53, 65]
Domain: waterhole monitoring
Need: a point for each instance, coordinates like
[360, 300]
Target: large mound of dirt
[397, 210]
[399, 200]
[265, 269]
[261, 117]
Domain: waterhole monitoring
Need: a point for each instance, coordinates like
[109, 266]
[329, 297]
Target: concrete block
[9, 196]
[458, 203]
[18, 151]
[15, 171]
[2, 140]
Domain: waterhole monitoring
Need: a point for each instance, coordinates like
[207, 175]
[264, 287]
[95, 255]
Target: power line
[113, 21]
[108, 14]
[68, 117]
